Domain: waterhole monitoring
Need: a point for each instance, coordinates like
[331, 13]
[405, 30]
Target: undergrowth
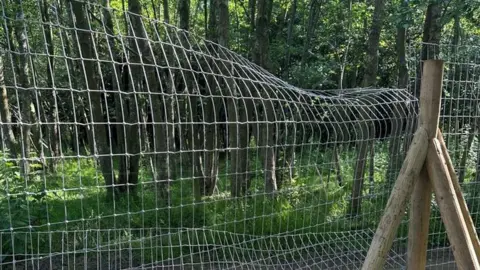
[66, 211]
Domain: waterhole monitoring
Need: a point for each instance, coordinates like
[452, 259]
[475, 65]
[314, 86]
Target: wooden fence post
[414, 162]
[429, 117]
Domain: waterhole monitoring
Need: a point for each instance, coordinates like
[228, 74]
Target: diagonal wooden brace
[397, 203]
[449, 205]
[458, 192]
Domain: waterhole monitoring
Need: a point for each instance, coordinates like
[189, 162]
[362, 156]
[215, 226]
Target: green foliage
[21, 207]
[71, 200]
[309, 206]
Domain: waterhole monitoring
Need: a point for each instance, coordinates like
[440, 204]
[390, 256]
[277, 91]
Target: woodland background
[197, 161]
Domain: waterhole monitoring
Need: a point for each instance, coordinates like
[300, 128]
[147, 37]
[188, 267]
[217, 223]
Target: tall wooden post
[419, 222]
[429, 117]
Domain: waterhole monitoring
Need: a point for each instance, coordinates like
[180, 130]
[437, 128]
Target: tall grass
[66, 211]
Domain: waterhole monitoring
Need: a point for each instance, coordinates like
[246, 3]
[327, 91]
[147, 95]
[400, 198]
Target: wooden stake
[397, 203]
[461, 200]
[451, 213]
[419, 222]
[429, 117]
[430, 96]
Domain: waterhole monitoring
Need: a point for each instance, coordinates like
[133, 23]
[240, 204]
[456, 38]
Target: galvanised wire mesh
[128, 143]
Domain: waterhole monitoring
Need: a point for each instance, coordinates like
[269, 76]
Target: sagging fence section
[128, 142]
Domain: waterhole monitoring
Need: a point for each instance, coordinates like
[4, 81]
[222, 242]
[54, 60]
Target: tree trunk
[52, 112]
[236, 115]
[193, 142]
[266, 136]
[25, 97]
[431, 37]
[6, 117]
[401, 57]
[132, 104]
[210, 135]
[120, 107]
[371, 62]
[359, 170]
[166, 161]
[293, 14]
[77, 106]
[463, 160]
[184, 14]
[336, 163]
[312, 19]
[252, 8]
[185, 142]
[456, 74]
[371, 166]
[471, 136]
[166, 13]
[398, 113]
[369, 79]
[99, 133]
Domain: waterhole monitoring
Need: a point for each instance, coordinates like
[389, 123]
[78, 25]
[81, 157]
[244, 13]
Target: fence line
[127, 142]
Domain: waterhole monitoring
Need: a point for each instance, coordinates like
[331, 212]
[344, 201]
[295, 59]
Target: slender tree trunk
[398, 113]
[52, 112]
[371, 164]
[210, 135]
[477, 168]
[184, 14]
[99, 132]
[266, 140]
[455, 103]
[192, 133]
[252, 8]
[293, 14]
[25, 96]
[431, 37]
[135, 101]
[336, 162]
[359, 171]
[165, 133]
[401, 57]
[463, 160]
[236, 114]
[166, 13]
[312, 19]
[6, 116]
[371, 62]
[341, 135]
[369, 79]
[120, 107]
[77, 104]
[5, 111]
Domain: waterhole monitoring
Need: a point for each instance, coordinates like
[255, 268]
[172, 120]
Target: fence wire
[128, 143]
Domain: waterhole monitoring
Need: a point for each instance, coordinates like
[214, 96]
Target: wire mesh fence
[128, 143]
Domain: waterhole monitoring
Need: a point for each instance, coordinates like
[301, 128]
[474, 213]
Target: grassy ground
[65, 212]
